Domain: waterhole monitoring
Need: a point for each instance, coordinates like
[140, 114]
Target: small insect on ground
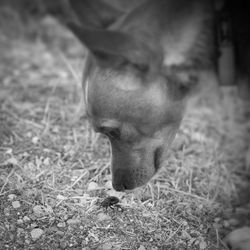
[110, 201]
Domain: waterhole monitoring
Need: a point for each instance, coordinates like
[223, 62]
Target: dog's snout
[123, 180]
[118, 186]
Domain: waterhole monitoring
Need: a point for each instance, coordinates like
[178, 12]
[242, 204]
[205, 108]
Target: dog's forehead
[125, 97]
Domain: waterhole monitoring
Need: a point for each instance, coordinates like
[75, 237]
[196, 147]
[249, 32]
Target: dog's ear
[189, 46]
[113, 47]
[190, 38]
[94, 13]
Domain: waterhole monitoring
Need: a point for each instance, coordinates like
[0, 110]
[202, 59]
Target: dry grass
[49, 156]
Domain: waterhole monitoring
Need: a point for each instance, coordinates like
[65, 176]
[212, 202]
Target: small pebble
[19, 230]
[35, 140]
[108, 185]
[63, 244]
[16, 204]
[9, 151]
[11, 197]
[26, 218]
[106, 246]
[36, 233]
[33, 225]
[216, 220]
[12, 161]
[61, 233]
[61, 197]
[103, 217]
[61, 224]
[46, 161]
[203, 245]
[38, 162]
[73, 221]
[185, 223]
[185, 235]
[27, 241]
[92, 186]
[39, 210]
[19, 221]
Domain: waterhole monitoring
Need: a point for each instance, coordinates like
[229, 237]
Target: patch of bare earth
[55, 171]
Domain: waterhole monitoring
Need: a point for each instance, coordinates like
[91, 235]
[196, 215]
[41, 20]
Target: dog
[145, 59]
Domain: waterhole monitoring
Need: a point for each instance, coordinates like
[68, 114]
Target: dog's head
[139, 72]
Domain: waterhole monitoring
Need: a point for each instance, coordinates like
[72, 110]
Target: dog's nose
[123, 180]
[118, 187]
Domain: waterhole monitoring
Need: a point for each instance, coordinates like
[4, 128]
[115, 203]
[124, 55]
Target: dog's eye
[112, 133]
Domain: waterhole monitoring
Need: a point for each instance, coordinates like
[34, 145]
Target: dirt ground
[55, 171]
